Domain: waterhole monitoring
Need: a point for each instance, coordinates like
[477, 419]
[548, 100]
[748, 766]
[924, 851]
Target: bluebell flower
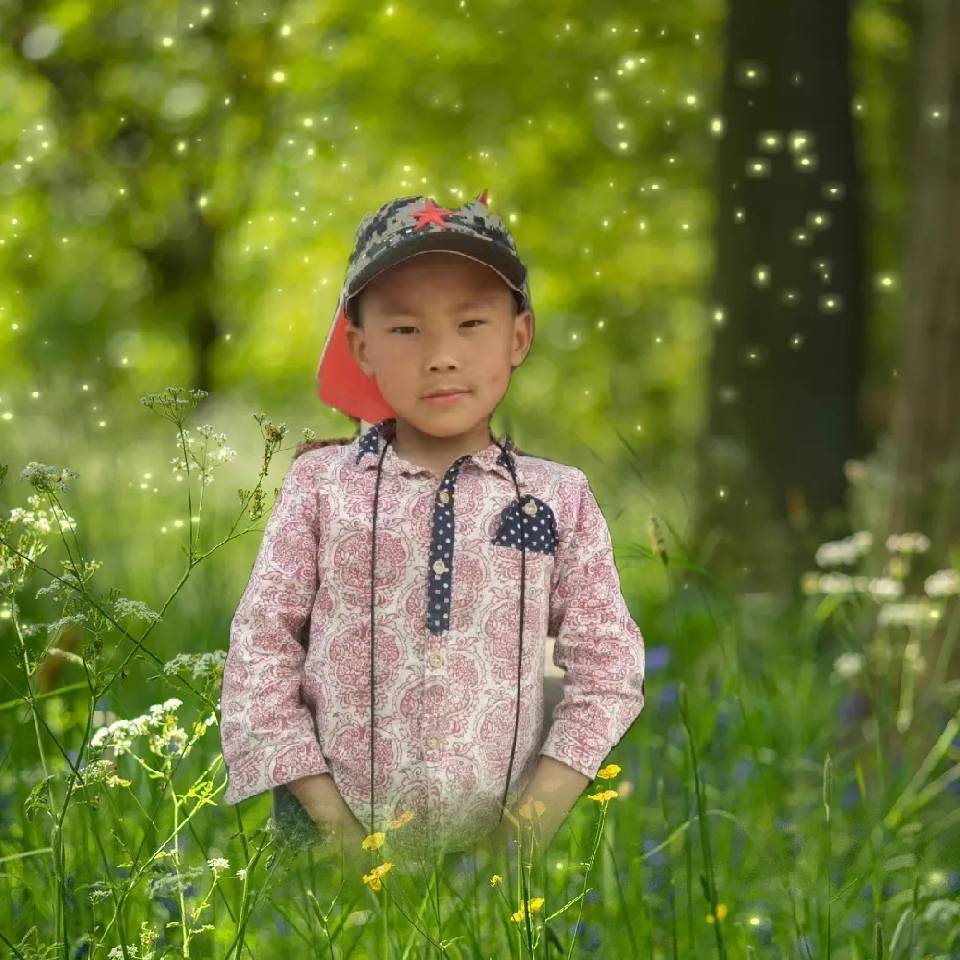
[656, 881]
[587, 934]
[656, 658]
[171, 906]
[742, 771]
[82, 950]
[852, 707]
[851, 796]
[889, 888]
[657, 859]
[669, 693]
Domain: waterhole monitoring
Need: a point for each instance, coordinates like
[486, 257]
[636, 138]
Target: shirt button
[432, 743]
[436, 660]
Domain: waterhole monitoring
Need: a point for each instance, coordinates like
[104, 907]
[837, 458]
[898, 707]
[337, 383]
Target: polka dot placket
[441, 565]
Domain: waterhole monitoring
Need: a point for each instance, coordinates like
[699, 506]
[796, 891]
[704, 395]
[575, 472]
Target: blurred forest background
[737, 223]
[740, 219]
[740, 226]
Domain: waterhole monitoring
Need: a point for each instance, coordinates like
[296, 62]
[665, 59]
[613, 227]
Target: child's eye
[394, 329]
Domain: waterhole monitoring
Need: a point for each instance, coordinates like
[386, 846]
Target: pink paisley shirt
[445, 700]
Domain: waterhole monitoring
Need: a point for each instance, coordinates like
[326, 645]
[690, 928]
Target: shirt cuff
[586, 728]
[566, 741]
[274, 765]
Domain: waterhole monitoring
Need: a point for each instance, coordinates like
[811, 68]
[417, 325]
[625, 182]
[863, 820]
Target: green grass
[789, 790]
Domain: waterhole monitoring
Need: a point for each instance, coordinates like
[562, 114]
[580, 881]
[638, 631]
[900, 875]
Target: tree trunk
[925, 425]
[789, 297]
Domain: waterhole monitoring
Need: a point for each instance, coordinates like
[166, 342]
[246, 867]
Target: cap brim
[508, 266]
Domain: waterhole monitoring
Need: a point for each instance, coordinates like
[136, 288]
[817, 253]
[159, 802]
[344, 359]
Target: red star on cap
[431, 213]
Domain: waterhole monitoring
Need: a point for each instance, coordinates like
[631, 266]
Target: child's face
[417, 336]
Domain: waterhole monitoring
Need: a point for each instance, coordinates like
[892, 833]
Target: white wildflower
[199, 665]
[172, 741]
[120, 734]
[914, 658]
[885, 588]
[96, 771]
[218, 864]
[168, 706]
[837, 552]
[42, 521]
[910, 613]
[908, 543]
[45, 478]
[848, 664]
[863, 540]
[942, 583]
[125, 607]
[98, 891]
[206, 459]
[835, 583]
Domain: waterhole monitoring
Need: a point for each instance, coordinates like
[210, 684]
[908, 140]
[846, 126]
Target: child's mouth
[446, 399]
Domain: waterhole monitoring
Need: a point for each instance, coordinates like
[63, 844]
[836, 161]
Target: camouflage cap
[401, 229]
[407, 226]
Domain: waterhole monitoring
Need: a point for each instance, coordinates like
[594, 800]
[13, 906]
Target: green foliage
[178, 194]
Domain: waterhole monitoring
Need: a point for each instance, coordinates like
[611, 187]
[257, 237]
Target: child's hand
[497, 847]
[345, 831]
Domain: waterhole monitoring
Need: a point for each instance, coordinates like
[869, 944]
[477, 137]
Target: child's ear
[523, 336]
[355, 343]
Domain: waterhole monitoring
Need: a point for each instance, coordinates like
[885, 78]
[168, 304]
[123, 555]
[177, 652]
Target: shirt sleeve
[267, 733]
[597, 644]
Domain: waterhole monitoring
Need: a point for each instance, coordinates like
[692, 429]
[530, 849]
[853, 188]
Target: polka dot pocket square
[531, 518]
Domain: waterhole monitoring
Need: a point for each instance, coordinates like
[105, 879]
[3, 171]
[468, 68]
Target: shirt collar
[367, 447]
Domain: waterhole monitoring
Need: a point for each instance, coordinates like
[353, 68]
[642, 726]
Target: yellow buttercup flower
[404, 817]
[374, 877]
[495, 879]
[535, 904]
[609, 771]
[603, 796]
[373, 841]
[539, 805]
[721, 912]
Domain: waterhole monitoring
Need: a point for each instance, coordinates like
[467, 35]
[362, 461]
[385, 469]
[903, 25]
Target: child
[426, 562]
